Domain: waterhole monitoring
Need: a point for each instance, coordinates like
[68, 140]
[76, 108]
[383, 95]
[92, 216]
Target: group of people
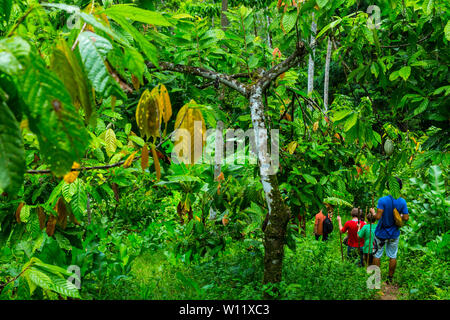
[367, 240]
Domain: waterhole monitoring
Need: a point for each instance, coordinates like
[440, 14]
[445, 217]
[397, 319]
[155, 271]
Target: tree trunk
[223, 17]
[311, 58]
[327, 76]
[278, 212]
[269, 36]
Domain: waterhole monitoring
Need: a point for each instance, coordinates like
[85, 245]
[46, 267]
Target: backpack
[327, 225]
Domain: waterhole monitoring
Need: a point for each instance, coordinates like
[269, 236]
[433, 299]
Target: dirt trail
[389, 292]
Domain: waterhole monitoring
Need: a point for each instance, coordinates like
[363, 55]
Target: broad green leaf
[394, 75]
[405, 72]
[436, 180]
[447, 30]
[66, 65]
[351, 121]
[421, 108]
[93, 50]
[337, 202]
[5, 10]
[138, 14]
[110, 140]
[138, 140]
[322, 3]
[289, 20]
[14, 54]
[58, 126]
[25, 213]
[147, 48]
[135, 63]
[90, 19]
[341, 114]
[78, 203]
[12, 154]
[309, 179]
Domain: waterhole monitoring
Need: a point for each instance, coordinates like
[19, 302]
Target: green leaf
[69, 70]
[90, 19]
[135, 63]
[289, 20]
[393, 76]
[12, 154]
[25, 213]
[339, 115]
[447, 30]
[146, 47]
[13, 53]
[421, 108]
[93, 50]
[428, 6]
[309, 179]
[394, 187]
[79, 201]
[436, 180]
[337, 202]
[63, 242]
[374, 69]
[329, 26]
[321, 3]
[138, 14]
[138, 140]
[110, 139]
[5, 10]
[351, 121]
[58, 126]
[404, 72]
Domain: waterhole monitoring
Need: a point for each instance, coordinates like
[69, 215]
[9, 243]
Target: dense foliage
[92, 94]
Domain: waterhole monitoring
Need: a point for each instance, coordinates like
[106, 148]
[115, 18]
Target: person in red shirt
[355, 244]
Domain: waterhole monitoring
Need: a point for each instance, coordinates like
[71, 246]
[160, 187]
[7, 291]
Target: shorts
[391, 247]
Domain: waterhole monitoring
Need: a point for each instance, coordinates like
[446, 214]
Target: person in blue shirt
[387, 233]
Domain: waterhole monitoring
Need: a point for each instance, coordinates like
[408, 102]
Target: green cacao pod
[389, 147]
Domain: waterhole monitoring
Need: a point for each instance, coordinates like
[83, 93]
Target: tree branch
[234, 76]
[205, 73]
[289, 62]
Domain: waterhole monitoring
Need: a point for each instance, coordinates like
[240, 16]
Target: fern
[436, 181]
[394, 187]
[337, 202]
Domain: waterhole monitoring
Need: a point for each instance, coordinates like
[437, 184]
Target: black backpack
[327, 225]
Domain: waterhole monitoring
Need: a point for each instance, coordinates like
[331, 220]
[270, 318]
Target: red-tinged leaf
[51, 224]
[144, 157]
[19, 208]
[157, 166]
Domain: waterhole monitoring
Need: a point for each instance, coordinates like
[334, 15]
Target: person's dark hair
[400, 183]
[355, 212]
[371, 218]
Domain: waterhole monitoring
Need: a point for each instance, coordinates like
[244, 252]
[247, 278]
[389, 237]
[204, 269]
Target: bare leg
[392, 265]
[376, 261]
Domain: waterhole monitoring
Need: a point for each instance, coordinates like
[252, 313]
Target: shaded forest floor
[313, 271]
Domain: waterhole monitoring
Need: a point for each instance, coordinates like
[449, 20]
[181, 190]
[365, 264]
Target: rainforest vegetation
[181, 149]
